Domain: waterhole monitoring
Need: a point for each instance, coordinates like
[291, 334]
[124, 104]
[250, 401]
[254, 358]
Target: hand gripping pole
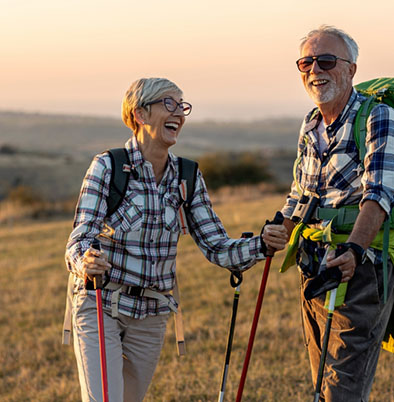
[98, 285]
[277, 221]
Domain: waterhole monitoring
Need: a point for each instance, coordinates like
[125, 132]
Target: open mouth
[172, 126]
[318, 83]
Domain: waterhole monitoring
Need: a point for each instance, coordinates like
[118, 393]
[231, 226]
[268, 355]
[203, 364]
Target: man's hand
[94, 262]
[346, 262]
[275, 237]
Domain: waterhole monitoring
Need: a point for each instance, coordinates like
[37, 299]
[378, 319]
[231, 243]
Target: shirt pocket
[132, 213]
[171, 208]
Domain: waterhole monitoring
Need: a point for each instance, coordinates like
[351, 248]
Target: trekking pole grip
[97, 279]
[278, 220]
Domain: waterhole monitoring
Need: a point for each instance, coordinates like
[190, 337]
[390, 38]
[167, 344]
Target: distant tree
[233, 168]
[8, 149]
[23, 195]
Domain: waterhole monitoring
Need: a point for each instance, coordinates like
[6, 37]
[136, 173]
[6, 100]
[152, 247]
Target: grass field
[36, 367]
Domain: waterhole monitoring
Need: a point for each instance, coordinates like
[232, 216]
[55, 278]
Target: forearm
[289, 225]
[368, 224]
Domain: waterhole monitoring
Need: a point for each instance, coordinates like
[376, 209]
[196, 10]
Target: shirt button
[325, 154]
[151, 240]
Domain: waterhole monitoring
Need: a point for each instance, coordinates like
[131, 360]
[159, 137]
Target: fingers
[275, 236]
[345, 262]
[94, 262]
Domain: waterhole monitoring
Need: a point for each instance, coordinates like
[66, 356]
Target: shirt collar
[314, 117]
[136, 157]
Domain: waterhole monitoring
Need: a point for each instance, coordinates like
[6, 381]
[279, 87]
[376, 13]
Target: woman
[138, 244]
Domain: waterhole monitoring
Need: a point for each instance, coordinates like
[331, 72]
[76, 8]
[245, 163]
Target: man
[328, 168]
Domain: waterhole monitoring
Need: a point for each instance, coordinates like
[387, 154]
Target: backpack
[121, 170]
[378, 90]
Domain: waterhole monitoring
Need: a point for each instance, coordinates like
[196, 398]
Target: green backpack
[378, 90]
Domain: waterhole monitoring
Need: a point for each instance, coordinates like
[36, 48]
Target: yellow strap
[317, 235]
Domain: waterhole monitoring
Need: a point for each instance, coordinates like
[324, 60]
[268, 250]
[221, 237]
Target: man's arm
[366, 227]
[289, 225]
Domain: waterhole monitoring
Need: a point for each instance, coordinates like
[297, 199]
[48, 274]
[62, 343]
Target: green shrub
[233, 168]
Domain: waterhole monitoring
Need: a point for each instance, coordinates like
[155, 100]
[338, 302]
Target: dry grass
[35, 367]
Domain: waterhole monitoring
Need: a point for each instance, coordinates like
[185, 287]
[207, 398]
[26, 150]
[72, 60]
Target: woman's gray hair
[140, 93]
[328, 29]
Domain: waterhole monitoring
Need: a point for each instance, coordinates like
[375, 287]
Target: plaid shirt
[141, 237]
[338, 178]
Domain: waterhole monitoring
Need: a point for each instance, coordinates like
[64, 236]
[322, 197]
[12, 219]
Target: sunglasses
[324, 61]
[171, 105]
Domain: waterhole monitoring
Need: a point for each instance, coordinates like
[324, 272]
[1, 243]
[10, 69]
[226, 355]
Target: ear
[140, 115]
[353, 69]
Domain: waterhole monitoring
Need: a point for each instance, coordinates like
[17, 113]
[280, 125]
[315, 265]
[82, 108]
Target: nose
[315, 68]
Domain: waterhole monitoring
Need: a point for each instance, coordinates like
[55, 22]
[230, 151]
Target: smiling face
[328, 87]
[162, 126]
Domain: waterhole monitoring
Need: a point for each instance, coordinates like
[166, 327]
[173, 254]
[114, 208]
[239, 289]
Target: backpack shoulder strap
[187, 183]
[120, 176]
[188, 172]
[360, 126]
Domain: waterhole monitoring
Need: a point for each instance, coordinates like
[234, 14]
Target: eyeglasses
[324, 61]
[171, 105]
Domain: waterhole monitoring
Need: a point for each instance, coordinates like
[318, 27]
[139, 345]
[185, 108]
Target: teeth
[319, 82]
[172, 126]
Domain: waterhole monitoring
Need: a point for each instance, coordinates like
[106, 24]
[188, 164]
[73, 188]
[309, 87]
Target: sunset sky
[233, 59]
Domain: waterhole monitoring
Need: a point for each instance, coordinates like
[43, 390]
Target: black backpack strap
[120, 176]
[188, 171]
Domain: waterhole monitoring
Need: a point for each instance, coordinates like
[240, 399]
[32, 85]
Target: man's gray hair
[140, 93]
[328, 29]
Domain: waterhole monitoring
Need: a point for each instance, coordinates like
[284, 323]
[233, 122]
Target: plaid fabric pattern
[338, 178]
[141, 236]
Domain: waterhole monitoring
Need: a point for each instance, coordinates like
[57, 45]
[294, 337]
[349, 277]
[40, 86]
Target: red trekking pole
[98, 285]
[277, 221]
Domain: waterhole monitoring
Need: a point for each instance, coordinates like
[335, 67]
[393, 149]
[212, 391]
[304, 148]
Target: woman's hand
[275, 236]
[94, 262]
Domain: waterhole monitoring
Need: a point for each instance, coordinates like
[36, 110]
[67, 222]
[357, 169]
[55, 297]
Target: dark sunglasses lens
[327, 62]
[304, 64]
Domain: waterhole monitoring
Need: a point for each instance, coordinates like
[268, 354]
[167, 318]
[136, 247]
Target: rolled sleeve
[378, 178]
[90, 212]
[209, 234]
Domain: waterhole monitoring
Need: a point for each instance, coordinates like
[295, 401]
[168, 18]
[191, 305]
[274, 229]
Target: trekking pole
[235, 281]
[331, 308]
[98, 285]
[277, 221]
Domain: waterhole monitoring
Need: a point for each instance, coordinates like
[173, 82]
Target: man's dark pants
[356, 333]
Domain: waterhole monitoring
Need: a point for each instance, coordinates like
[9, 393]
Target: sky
[234, 60]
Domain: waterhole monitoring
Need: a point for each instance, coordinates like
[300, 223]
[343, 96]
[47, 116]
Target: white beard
[325, 94]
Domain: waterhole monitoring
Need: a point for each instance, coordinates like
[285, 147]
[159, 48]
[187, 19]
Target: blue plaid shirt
[141, 237]
[338, 177]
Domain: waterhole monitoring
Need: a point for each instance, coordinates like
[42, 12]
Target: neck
[331, 110]
[157, 156]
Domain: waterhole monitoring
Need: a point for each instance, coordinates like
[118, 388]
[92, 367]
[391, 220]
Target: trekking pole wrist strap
[359, 252]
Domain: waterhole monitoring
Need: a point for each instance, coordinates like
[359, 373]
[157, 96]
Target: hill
[51, 153]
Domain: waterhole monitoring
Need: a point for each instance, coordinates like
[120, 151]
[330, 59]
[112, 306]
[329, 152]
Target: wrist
[263, 247]
[358, 251]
